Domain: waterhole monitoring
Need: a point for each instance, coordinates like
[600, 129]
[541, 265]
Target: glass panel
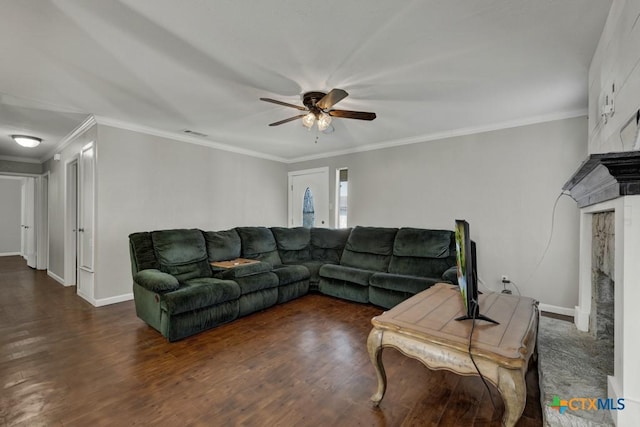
[343, 191]
[308, 211]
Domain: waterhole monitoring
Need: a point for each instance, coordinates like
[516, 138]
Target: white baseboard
[556, 309]
[106, 301]
[55, 277]
[9, 253]
[113, 300]
[581, 319]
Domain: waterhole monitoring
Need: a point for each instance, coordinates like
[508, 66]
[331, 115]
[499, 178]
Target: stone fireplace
[607, 190]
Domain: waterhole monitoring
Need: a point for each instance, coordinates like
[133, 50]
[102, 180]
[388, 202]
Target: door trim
[290, 176]
[71, 250]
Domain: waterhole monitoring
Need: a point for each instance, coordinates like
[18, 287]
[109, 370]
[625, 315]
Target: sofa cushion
[327, 244]
[223, 245]
[347, 274]
[181, 253]
[417, 242]
[143, 256]
[199, 293]
[293, 243]
[398, 282]
[257, 282]
[314, 269]
[372, 240]
[259, 243]
[369, 248]
[291, 273]
[156, 281]
[451, 275]
[423, 267]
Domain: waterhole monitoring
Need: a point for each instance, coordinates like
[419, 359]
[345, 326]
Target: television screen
[463, 260]
[467, 274]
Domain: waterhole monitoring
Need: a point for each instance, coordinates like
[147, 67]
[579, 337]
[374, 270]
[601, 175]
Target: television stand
[423, 327]
[477, 316]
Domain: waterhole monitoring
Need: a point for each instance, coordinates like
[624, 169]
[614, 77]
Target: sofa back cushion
[369, 248]
[223, 245]
[259, 243]
[293, 244]
[327, 244]
[143, 257]
[422, 252]
[181, 253]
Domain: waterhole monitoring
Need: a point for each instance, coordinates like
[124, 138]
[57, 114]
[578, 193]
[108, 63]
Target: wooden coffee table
[423, 327]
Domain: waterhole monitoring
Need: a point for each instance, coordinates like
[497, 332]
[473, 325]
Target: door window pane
[343, 191]
[308, 211]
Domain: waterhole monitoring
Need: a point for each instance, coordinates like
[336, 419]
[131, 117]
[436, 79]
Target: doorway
[28, 245]
[71, 223]
[309, 198]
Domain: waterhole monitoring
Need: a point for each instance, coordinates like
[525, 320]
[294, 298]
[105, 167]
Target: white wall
[615, 62]
[503, 182]
[57, 183]
[10, 197]
[147, 183]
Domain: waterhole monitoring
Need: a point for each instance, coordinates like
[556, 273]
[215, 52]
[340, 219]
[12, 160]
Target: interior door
[29, 221]
[71, 224]
[309, 198]
[86, 221]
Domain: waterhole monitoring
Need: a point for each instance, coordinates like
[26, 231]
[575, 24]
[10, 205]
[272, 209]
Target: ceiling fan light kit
[323, 122]
[308, 120]
[318, 106]
[27, 141]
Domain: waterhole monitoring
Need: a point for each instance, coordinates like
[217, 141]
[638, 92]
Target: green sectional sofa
[179, 293]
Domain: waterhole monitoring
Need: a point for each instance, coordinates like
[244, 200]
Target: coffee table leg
[513, 389]
[374, 345]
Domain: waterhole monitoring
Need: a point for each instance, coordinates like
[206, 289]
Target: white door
[71, 224]
[42, 222]
[309, 198]
[86, 221]
[28, 221]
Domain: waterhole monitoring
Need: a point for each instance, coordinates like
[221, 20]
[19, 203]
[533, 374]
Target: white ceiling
[426, 68]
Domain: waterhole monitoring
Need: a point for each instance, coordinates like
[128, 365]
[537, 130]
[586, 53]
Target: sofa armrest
[451, 275]
[156, 281]
[241, 270]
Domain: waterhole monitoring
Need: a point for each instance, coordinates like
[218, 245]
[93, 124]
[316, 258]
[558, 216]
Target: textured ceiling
[426, 68]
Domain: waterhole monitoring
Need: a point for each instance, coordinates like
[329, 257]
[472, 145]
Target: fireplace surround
[610, 183]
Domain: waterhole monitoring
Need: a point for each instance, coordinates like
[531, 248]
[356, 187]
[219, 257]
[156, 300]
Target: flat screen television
[467, 272]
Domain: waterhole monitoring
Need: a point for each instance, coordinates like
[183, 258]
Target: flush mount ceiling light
[27, 141]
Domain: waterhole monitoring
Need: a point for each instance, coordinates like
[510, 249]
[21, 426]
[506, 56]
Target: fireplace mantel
[610, 182]
[605, 177]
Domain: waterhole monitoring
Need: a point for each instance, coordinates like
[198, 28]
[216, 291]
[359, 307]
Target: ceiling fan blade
[332, 98]
[290, 119]
[360, 115]
[286, 104]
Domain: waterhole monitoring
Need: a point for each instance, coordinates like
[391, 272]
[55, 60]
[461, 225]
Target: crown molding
[185, 138]
[106, 121]
[446, 134]
[79, 130]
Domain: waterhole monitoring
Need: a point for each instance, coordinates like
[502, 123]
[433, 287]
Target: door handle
[81, 230]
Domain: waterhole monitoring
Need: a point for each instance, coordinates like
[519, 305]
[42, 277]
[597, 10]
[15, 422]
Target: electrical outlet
[505, 278]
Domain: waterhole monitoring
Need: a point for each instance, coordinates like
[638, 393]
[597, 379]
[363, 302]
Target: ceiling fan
[318, 106]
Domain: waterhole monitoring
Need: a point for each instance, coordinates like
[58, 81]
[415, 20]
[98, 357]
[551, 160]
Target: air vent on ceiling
[194, 133]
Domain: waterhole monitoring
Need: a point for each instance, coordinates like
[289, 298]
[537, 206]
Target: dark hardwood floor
[303, 363]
